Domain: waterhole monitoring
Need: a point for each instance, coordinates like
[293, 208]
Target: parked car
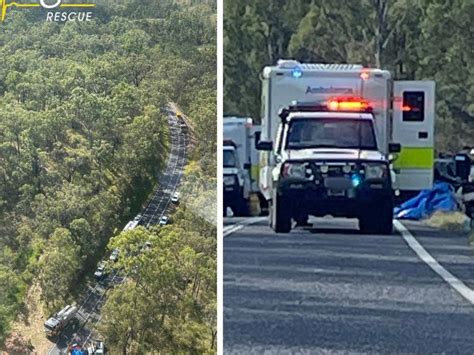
[114, 256]
[164, 221]
[175, 197]
[100, 272]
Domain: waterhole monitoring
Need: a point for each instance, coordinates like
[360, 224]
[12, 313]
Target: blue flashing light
[356, 180]
[296, 72]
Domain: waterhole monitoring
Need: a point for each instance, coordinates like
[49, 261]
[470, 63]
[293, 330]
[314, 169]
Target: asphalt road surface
[329, 289]
[89, 312]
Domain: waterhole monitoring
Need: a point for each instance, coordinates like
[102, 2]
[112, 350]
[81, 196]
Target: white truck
[240, 165]
[54, 325]
[341, 140]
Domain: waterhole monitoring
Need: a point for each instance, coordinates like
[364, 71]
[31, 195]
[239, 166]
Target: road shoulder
[450, 249]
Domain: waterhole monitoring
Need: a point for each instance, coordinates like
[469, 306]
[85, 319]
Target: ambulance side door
[413, 118]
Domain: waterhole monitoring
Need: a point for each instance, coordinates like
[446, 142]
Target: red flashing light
[364, 75]
[347, 104]
[406, 108]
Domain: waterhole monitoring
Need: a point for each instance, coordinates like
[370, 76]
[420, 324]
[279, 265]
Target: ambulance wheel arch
[413, 127]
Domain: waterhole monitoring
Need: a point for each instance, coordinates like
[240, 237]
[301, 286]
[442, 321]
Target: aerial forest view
[87, 113]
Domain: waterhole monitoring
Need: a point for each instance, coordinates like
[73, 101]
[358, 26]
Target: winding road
[89, 312]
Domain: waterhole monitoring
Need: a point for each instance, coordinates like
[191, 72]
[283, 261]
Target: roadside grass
[28, 327]
[449, 221]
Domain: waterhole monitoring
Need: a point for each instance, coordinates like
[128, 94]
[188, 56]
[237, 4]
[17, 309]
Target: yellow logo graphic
[42, 3]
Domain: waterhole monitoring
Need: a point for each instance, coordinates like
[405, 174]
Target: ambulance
[241, 159]
[341, 140]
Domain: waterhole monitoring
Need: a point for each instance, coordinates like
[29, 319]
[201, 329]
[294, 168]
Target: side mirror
[265, 145]
[247, 166]
[394, 147]
[257, 136]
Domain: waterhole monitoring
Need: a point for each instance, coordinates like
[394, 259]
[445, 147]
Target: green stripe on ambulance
[414, 158]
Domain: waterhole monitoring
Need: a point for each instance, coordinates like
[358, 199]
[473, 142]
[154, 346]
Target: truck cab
[329, 163]
[51, 327]
[54, 325]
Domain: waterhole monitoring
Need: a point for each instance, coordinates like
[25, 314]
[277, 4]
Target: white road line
[452, 280]
[235, 227]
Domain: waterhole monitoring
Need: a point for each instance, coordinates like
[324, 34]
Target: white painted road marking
[452, 280]
[235, 227]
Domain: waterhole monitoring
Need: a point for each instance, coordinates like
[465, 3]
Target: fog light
[356, 180]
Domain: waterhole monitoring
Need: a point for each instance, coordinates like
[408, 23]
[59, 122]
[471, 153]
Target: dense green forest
[82, 141]
[169, 299]
[415, 39]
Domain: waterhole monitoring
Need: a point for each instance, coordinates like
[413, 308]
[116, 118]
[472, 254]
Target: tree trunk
[381, 7]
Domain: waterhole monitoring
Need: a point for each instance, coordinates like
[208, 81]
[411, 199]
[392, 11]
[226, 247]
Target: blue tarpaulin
[439, 198]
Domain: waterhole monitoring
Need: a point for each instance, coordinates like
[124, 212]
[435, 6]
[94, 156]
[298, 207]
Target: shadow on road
[332, 231]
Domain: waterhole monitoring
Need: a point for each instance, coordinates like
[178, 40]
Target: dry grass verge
[449, 221]
[27, 331]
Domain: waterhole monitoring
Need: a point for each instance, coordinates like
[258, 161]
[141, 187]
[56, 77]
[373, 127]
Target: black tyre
[378, 219]
[241, 208]
[280, 215]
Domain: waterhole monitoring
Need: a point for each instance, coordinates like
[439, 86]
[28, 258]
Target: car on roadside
[100, 272]
[175, 197]
[114, 256]
[163, 221]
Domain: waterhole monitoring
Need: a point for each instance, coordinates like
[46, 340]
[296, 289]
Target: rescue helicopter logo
[45, 4]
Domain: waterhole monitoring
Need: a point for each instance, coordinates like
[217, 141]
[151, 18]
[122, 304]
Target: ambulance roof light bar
[342, 104]
[348, 104]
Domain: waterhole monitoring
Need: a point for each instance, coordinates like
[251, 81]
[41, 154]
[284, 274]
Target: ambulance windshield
[304, 133]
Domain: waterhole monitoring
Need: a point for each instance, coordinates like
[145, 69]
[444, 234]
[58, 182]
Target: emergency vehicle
[54, 325]
[340, 139]
[241, 191]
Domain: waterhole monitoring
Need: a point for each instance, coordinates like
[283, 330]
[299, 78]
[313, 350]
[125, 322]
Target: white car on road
[100, 272]
[114, 256]
[164, 221]
[175, 197]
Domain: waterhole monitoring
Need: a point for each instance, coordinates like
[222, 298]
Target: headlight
[296, 170]
[375, 171]
[229, 180]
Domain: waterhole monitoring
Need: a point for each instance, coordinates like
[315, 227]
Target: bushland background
[415, 39]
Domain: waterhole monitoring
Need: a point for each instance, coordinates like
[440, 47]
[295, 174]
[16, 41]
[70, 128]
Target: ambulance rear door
[413, 127]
